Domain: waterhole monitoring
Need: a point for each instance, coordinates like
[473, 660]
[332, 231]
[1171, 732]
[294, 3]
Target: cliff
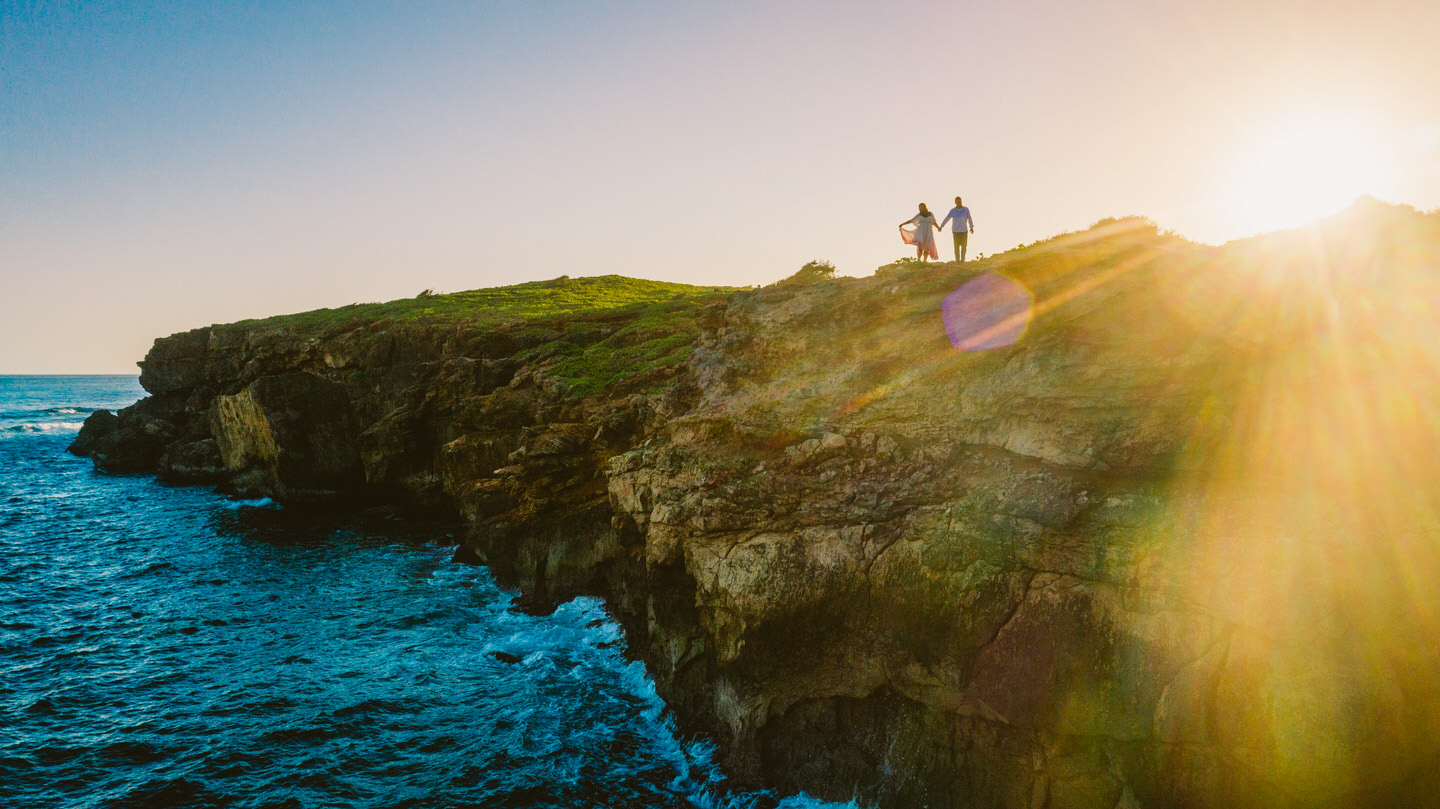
[1161, 531]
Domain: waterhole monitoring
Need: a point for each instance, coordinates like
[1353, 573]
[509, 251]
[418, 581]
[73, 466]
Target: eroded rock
[293, 436]
[1141, 557]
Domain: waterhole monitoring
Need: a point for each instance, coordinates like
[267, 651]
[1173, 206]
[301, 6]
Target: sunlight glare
[1304, 172]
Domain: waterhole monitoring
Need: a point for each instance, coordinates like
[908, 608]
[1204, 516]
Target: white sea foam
[697, 776]
[40, 428]
[578, 643]
[259, 502]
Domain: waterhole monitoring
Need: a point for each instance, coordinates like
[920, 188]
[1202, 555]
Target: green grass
[591, 333]
[557, 299]
[655, 336]
[604, 364]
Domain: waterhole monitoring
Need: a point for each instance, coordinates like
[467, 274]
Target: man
[962, 228]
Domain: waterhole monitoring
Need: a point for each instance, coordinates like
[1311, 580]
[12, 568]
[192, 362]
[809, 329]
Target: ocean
[169, 647]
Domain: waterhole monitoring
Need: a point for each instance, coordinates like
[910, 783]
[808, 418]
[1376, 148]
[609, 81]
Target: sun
[1303, 171]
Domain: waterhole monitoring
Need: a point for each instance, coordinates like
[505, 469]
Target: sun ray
[1302, 171]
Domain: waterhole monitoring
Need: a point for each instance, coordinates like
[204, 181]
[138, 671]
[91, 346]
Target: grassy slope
[598, 332]
[590, 332]
[559, 298]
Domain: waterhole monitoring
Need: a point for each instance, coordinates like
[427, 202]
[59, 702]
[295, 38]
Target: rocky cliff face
[1176, 545]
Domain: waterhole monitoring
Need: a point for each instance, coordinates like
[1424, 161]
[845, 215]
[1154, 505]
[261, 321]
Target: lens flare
[988, 311]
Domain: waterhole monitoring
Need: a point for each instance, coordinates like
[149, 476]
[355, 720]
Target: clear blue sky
[170, 165]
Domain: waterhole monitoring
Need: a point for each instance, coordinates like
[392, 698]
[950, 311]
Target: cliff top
[1121, 283]
[556, 298]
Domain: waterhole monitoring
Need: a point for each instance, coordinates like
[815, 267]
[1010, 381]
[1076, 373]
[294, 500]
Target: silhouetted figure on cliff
[923, 236]
[962, 226]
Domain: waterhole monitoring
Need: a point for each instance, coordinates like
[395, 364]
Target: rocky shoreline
[1138, 558]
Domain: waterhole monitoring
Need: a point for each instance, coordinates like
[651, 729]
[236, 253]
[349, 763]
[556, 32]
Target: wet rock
[98, 425]
[193, 462]
[136, 439]
[466, 555]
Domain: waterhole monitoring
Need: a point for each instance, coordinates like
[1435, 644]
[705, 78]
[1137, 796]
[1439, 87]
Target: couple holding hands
[923, 237]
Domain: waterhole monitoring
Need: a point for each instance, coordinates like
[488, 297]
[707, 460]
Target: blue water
[164, 646]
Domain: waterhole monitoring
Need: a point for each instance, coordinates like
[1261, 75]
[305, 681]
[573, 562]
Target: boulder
[133, 443]
[97, 426]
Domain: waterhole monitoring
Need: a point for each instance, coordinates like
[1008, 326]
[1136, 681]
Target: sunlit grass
[588, 333]
[562, 297]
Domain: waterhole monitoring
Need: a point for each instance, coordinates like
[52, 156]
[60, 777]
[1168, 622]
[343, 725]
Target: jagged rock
[1173, 547]
[193, 462]
[97, 426]
[465, 555]
[133, 441]
[295, 432]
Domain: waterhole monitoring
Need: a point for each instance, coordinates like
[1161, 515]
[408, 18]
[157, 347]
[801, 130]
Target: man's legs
[961, 242]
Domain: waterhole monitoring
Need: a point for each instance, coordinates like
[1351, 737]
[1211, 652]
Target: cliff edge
[1111, 520]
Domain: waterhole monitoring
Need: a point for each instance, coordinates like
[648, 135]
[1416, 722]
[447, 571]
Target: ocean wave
[22, 414]
[259, 502]
[44, 427]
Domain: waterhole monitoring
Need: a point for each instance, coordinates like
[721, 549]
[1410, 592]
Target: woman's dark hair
[925, 210]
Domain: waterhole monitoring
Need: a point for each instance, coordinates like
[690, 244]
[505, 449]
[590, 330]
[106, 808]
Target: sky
[166, 166]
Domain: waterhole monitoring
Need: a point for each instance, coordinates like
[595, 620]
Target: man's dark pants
[962, 239]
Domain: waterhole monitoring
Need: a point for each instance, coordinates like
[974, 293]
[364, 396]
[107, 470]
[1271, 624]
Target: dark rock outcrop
[129, 441]
[97, 426]
[194, 462]
[1174, 547]
[290, 436]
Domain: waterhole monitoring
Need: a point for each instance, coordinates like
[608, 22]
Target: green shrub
[812, 271]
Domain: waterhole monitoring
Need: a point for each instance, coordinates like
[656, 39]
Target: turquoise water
[164, 646]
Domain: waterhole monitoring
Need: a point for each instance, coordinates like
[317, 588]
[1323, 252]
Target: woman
[923, 236]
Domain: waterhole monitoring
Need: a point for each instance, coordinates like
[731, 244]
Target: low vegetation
[810, 273]
[591, 333]
[558, 298]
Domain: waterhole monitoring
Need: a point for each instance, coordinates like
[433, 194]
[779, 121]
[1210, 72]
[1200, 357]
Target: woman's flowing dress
[923, 236]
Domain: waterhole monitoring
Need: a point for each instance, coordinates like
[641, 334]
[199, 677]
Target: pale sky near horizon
[165, 166]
